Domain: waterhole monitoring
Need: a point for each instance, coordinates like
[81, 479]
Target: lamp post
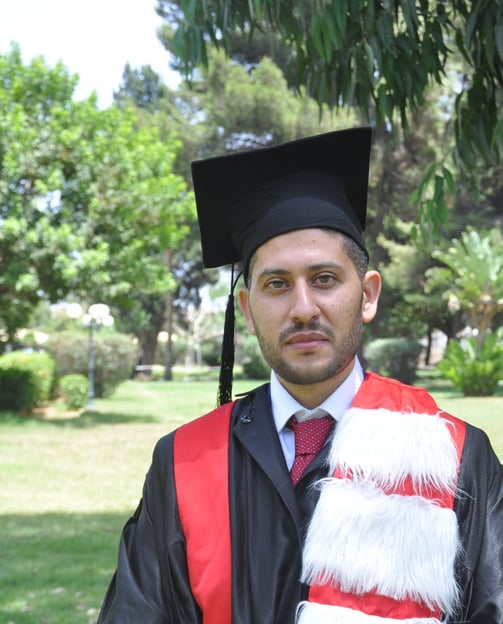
[97, 314]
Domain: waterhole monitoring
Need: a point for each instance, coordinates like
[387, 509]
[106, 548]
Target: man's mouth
[306, 340]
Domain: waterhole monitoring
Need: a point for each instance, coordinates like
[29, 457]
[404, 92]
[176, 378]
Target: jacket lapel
[254, 427]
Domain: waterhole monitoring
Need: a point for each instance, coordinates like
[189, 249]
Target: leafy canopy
[89, 201]
[352, 51]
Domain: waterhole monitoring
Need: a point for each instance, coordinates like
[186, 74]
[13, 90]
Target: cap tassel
[227, 356]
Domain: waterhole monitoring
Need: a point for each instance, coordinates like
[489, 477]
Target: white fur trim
[387, 447]
[313, 613]
[363, 540]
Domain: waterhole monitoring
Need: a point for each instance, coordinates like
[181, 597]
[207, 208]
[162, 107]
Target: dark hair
[355, 253]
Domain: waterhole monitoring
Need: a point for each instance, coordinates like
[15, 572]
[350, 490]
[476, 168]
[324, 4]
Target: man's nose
[304, 304]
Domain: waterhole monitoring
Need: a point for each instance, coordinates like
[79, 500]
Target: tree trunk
[427, 355]
[149, 346]
[168, 356]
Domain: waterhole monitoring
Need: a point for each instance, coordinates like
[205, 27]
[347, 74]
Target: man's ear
[371, 292]
[244, 306]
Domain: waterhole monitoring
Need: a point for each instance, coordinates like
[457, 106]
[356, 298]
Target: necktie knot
[310, 435]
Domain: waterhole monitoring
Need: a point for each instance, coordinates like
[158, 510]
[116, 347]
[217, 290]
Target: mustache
[312, 326]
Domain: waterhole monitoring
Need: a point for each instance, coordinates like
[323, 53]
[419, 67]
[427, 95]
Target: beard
[310, 371]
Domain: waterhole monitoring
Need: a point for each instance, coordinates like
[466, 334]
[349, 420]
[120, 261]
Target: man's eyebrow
[320, 266]
[272, 271]
[326, 265]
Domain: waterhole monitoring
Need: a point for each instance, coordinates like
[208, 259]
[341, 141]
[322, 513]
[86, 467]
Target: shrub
[254, 365]
[210, 351]
[157, 373]
[41, 366]
[73, 389]
[18, 389]
[394, 357]
[474, 372]
[114, 358]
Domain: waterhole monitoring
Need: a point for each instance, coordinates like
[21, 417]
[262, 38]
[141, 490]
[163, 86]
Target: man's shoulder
[391, 394]
[387, 392]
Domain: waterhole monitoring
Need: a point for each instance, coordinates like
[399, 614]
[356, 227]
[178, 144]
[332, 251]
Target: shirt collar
[284, 405]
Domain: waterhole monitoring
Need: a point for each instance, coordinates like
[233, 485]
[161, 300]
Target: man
[331, 494]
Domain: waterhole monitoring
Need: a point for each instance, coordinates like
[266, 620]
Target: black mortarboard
[244, 199]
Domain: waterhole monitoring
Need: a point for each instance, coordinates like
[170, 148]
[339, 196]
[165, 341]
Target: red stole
[201, 465]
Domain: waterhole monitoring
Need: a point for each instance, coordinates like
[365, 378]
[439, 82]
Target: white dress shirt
[284, 406]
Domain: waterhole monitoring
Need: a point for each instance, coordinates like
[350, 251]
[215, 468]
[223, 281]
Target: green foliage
[143, 87]
[254, 365]
[18, 389]
[472, 277]
[40, 368]
[400, 312]
[382, 57]
[394, 357]
[114, 358]
[474, 369]
[249, 108]
[348, 51]
[89, 201]
[210, 351]
[73, 388]
[27, 95]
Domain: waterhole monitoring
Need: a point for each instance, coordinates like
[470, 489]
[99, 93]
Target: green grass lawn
[67, 485]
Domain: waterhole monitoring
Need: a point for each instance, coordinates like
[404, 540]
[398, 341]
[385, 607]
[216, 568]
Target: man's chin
[306, 375]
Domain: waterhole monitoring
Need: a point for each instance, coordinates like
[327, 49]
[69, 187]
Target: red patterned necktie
[310, 435]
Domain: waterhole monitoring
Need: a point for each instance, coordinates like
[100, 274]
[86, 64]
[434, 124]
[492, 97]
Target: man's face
[306, 305]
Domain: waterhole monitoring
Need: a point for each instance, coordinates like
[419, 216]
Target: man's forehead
[315, 247]
[302, 236]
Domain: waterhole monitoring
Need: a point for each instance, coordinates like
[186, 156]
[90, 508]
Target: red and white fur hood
[383, 541]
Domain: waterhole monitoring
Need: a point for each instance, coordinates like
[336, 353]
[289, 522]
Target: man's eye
[275, 284]
[325, 279]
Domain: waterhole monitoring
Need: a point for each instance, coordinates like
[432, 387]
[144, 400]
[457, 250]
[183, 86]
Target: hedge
[114, 357]
[26, 379]
[394, 357]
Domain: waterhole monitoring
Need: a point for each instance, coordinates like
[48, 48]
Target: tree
[142, 86]
[472, 278]
[405, 310]
[398, 163]
[89, 201]
[472, 282]
[138, 209]
[168, 111]
[34, 255]
[380, 56]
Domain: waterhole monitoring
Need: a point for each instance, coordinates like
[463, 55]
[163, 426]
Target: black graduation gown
[268, 523]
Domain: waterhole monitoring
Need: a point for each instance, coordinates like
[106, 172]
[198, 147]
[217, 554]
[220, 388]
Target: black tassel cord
[227, 355]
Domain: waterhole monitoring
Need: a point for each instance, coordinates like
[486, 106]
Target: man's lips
[309, 335]
[306, 340]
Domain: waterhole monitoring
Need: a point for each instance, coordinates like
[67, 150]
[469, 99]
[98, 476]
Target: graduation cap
[246, 198]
